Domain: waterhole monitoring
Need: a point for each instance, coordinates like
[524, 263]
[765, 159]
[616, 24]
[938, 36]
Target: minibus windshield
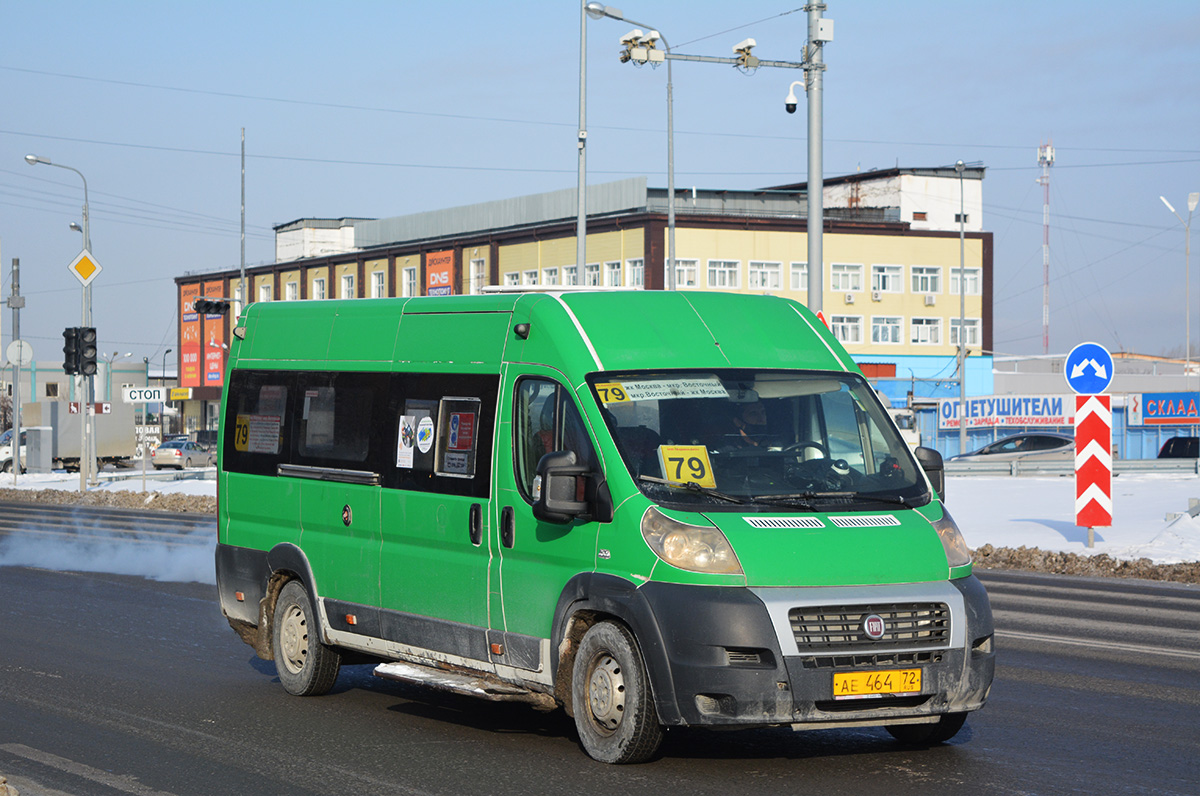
[770, 440]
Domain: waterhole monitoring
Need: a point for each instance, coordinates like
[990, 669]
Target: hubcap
[606, 692]
[293, 639]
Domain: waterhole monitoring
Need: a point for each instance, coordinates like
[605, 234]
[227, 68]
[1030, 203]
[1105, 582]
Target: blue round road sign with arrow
[1089, 369]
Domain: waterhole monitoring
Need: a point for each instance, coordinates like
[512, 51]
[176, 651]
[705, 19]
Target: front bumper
[730, 657]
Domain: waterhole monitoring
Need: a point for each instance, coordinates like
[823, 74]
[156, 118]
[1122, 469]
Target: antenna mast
[1045, 160]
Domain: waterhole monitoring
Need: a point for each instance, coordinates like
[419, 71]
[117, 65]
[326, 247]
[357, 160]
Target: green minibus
[652, 509]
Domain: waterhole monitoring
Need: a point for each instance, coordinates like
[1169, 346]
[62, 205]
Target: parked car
[1180, 448]
[181, 454]
[1037, 445]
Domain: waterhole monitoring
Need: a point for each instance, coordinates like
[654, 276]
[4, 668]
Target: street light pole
[597, 11]
[960, 167]
[1193, 200]
[162, 415]
[87, 459]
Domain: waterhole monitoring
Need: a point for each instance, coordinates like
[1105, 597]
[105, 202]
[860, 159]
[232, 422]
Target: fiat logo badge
[874, 627]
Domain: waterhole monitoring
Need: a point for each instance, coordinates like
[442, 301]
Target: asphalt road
[114, 684]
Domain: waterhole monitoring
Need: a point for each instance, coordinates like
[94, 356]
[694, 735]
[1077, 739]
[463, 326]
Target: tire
[928, 734]
[306, 667]
[187, 464]
[6, 467]
[614, 712]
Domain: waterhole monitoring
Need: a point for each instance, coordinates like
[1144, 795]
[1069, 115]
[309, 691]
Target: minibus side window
[257, 422]
[546, 421]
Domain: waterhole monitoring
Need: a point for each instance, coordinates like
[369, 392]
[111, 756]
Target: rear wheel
[306, 667]
[614, 713]
[928, 734]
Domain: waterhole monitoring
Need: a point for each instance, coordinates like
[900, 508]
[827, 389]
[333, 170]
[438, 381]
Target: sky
[379, 109]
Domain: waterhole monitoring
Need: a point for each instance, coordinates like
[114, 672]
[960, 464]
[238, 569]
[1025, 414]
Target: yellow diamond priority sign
[85, 268]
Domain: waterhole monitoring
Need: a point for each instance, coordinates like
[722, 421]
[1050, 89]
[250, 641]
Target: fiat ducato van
[650, 509]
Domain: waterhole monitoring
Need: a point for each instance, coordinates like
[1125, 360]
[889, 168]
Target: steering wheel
[818, 472]
[800, 446]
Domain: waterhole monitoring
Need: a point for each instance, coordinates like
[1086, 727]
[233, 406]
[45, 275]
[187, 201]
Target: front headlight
[957, 552]
[690, 547]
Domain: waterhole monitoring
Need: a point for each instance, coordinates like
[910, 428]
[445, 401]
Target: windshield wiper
[691, 486]
[805, 499]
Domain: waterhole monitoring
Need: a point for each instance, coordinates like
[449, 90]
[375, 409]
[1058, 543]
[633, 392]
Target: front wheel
[306, 667]
[614, 713]
[928, 734]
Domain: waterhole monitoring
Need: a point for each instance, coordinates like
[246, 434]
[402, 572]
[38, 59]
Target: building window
[637, 272]
[512, 278]
[264, 292]
[927, 331]
[51, 392]
[378, 284]
[348, 286]
[408, 283]
[530, 277]
[972, 281]
[549, 276]
[765, 276]
[612, 274]
[887, 278]
[800, 276]
[885, 329]
[571, 275]
[725, 274]
[926, 279]
[972, 331]
[685, 272]
[318, 291]
[591, 275]
[964, 218]
[291, 291]
[846, 328]
[844, 277]
[919, 215]
[478, 276]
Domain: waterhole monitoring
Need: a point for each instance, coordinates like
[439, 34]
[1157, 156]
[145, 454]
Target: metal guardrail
[1067, 467]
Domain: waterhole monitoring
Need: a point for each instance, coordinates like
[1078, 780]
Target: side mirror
[931, 462]
[559, 489]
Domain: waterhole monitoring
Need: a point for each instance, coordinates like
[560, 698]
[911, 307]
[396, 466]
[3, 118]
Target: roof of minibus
[576, 332]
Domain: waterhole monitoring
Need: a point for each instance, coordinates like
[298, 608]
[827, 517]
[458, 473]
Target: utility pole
[15, 302]
[819, 31]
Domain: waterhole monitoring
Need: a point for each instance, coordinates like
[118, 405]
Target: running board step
[470, 684]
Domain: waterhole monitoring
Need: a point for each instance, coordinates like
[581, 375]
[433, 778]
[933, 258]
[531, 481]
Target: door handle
[475, 524]
[507, 526]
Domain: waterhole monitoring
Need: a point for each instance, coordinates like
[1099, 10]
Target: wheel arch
[285, 563]
[592, 597]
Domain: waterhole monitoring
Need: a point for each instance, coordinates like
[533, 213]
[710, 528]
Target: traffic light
[211, 306]
[87, 351]
[71, 350]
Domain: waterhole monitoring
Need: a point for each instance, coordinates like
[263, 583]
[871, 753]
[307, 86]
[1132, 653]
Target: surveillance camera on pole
[790, 101]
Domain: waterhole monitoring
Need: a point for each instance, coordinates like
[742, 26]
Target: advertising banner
[439, 270]
[986, 411]
[214, 339]
[189, 337]
[1164, 409]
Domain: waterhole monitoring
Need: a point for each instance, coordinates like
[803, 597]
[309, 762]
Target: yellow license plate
[864, 685]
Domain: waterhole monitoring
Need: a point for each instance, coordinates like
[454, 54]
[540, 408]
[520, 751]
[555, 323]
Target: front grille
[882, 660]
[840, 627]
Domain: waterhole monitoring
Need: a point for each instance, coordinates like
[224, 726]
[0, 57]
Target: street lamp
[87, 458]
[597, 11]
[960, 167]
[1193, 200]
